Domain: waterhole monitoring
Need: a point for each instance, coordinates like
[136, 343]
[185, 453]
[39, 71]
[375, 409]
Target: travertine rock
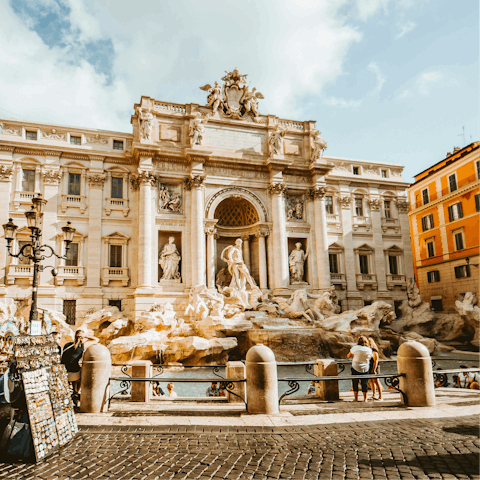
[470, 313]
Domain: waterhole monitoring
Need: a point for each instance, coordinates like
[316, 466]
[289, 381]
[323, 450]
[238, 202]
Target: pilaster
[6, 177]
[380, 267]
[402, 209]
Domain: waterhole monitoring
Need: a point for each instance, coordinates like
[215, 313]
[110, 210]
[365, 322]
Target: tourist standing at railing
[361, 355]
[171, 393]
[212, 390]
[375, 369]
[157, 389]
[222, 391]
[463, 379]
[311, 389]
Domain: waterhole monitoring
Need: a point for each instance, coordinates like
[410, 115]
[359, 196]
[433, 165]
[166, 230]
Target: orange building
[444, 226]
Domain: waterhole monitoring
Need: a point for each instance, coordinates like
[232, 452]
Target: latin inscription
[244, 141]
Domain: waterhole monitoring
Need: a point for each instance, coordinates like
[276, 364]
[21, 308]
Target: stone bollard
[262, 386]
[413, 359]
[96, 372]
[326, 390]
[236, 370]
[141, 391]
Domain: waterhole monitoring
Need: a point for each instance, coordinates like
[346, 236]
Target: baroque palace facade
[153, 210]
[444, 217]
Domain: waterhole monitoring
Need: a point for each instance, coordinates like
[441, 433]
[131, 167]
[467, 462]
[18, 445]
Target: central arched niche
[236, 212]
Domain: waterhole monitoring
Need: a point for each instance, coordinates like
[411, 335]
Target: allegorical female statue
[296, 261]
[169, 259]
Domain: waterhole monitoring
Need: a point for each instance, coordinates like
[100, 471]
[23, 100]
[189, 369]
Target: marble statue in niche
[319, 145]
[145, 119]
[169, 260]
[197, 128]
[168, 200]
[294, 208]
[233, 256]
[296, 261]
[276, 140]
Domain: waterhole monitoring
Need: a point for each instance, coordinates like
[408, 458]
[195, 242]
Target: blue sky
[386, 80]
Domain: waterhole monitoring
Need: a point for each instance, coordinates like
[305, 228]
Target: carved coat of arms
[234, 99]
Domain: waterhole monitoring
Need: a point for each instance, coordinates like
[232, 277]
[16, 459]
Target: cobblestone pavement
[407, 449]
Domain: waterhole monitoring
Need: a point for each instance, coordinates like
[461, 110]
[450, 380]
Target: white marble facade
[188, 181]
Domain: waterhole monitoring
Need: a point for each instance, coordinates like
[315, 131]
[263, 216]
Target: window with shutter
[424, 223]
[116, 256]
[477, 202]
[452, 182]
[333, 259]
[459, 241]
[72, 256]
[450, 213]
[462, 271]
[363, 263]
[74, 184]
[393, 264]
[425, 196]
[430, 249]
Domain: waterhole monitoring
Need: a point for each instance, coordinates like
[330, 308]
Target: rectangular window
[75, 140]
[30, 135]
[477, 202]
[333, 259]
[430, 249]
[363, 263]
[393, 264]
[452, 182]
[74, 184]
[437, 304]
[387, 208]
[459, 244]
[27, 251]
[462, 271]
[433, 276]
[356, 170]
[329, 205]
[455, 211]
[70, 311]
[427, 222]
[72, 256]
[384, 174]
[118, 145]
[116, 256]
[425, 196]
[117, 187]
[359, 207]
[28, 184]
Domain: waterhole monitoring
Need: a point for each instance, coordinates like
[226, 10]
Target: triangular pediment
[394, 248]
[116, 235]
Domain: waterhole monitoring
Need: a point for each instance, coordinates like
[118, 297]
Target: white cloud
[368, 8]
[405, 28]
[422, 84]
[381, 78]
[343, 103]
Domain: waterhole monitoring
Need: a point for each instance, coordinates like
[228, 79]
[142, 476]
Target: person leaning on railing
[212, 391]
[361, 355]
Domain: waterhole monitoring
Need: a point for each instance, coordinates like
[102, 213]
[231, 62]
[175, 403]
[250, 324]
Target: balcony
[338, 279]
[73, 201]
[390, 223]
[396, 281]
[70, 273]
[366, 279]
[23, 198]
[19, 271]
[362, 223]
[111, 274]
[120, 204]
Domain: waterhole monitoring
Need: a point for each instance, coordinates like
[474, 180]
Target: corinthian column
[262, 260]
[321, 237]
[279, 255]
[145, 181]
[195, 184]
[210, 232]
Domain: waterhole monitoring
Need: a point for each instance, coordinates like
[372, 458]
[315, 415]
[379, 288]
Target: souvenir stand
[47, 392]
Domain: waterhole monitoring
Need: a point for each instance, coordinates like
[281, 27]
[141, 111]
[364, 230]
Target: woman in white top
[171, 393]
[361, 355]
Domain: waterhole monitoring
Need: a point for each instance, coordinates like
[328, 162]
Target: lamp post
[33, 250]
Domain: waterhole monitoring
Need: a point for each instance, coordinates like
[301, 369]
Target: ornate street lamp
[33, 250]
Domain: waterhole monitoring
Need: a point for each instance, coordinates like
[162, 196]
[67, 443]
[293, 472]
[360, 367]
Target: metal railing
[126, 382]
[390, 380]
